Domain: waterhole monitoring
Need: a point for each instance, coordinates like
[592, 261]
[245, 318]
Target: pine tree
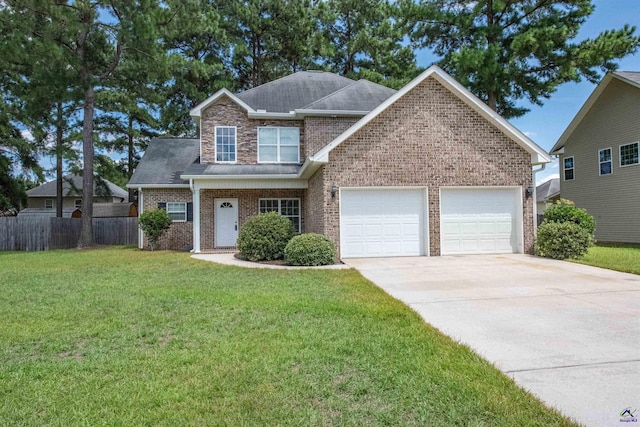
[508, 50]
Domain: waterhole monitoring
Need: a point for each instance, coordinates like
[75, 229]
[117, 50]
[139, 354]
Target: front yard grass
[624, 258]
[123, 337]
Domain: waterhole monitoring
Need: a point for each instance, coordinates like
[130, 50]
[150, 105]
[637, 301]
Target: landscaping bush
[310, 249]
[562, 240]
[154, 224]
[565, 211]
[263, 237]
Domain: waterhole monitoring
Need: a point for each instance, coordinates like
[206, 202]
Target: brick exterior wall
[225, 112]
[248, 206]
[180, 235]
[428, 137]
[319, 131]
[316, 204]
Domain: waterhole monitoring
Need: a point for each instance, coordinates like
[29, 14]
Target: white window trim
[601, 162]
[279, 199]
[620, 154]
[564, 178]
[215, 144]
[45, 203]
[76, 204]
[170, 212]
[278, 143]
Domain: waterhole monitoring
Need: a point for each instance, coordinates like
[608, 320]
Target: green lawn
[130, 338]
[622, 258]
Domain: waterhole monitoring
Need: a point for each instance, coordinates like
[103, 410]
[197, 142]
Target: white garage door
[479, 221]
[382, 222]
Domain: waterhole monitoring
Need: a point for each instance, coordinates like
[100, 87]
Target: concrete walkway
[568, 333]
[230, 259]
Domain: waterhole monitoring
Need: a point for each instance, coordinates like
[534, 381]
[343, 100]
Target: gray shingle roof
[548, 189]
[48, 189]
[241, 170]
[165, 160]
[362, 95]
[634, 76]
[293, 91]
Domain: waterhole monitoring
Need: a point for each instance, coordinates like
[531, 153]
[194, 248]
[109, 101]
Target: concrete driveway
[568, 333]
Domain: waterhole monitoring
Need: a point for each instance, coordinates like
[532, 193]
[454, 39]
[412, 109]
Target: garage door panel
[478, 220]
[384, 222]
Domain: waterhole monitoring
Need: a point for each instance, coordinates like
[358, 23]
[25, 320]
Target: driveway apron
[568, 333]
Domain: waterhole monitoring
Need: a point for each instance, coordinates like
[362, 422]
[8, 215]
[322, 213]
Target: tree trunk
[132, 192]
[491, 100]
[59, 160]
[86, 233]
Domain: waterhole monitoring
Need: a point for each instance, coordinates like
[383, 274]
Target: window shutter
[162, 205]
[190, 211]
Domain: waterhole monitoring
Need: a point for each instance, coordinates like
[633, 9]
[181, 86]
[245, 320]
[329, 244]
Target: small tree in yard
[154, 224]
[566, 232]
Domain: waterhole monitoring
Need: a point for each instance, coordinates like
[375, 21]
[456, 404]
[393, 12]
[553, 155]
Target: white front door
[226, 222]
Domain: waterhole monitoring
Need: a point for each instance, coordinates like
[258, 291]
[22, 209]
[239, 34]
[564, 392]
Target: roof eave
[136, 186]
[226, 177]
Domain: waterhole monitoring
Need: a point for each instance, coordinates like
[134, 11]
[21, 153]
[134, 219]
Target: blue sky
[545, 124]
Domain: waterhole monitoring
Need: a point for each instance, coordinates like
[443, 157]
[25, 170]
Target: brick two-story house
[426, 170]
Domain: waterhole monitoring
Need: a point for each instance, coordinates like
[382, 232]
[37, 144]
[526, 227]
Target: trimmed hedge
[310, 249]
[562, 240]
[154, 224]
[566, 211]
[565, 232]
[263, 237]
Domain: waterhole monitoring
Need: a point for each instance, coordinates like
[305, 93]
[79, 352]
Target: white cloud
[26, 134]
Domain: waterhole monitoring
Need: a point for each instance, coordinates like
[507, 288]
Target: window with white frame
[604, 159]
[629, 154]
[78, 203]
[278, 145]
[225, 144]
[289, 208]
[177, 211]
[48, 203]
[568, 168]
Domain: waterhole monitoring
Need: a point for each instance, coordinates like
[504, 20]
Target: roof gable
[72, 187]
[632, 78]
[196, 111]
[538, 155]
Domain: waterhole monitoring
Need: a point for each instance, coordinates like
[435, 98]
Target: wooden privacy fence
[42, 234]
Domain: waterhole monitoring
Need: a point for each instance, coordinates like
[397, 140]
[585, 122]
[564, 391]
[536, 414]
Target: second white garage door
[480, 220]
[382, 222]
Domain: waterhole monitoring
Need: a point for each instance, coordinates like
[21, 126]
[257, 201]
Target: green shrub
[310, 249]
[565, 211]
[562, 240]
[154, 224]
[263, 237]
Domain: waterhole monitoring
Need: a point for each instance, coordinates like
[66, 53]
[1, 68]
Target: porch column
[196, 218]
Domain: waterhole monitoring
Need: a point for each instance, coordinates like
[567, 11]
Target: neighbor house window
[48, 203]
[226, 144]
[177, 211]
[568, 168]
[606, 164]
[629, 154]
[289, 208]
[278, 145]
[78, 203]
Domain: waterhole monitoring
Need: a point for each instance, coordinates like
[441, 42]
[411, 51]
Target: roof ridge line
[355, 82]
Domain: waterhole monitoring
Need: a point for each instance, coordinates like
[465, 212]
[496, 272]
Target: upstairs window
[629, 154]
[604, 159]
[278, 145]
[568, 168]
[78, 203]
[226, 144]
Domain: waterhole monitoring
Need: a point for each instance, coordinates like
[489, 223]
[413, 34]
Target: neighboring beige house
[426, 170]
[599, 162]
[44, 196]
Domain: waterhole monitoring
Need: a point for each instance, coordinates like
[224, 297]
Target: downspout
[543, 166]
[140, 211]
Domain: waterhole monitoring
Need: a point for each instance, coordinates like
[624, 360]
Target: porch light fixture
[528, 192]
[334, 191]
